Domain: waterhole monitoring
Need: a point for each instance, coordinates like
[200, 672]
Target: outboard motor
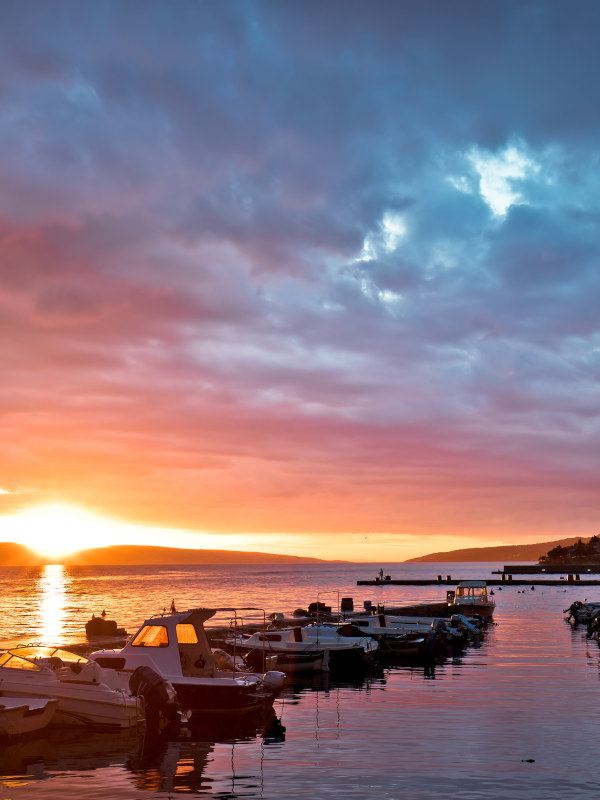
[273, 681]
[160, 698]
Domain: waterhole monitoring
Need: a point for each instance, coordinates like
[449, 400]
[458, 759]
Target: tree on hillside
[579, 553]
[557, 555]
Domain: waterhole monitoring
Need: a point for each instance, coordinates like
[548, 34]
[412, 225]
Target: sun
[57, 530]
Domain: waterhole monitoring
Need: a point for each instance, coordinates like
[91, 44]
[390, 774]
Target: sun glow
[58, 530]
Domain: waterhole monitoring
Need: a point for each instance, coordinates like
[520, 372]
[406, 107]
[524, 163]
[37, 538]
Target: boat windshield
[11, 661]
[42, 654]
[471, 591]
[151, 636]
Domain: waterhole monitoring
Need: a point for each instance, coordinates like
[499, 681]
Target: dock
[505, 580]
[548, 569]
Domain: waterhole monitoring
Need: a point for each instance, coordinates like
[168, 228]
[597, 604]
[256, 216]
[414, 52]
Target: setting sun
[58, 530]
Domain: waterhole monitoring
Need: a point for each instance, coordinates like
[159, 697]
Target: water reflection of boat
[20, 715]
[164, 765]
[177, 762]
[301, 684]
[86, 694]
[176, 647]
[67, 749]
[220, 728]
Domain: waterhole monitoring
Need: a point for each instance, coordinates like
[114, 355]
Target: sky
[318, 278]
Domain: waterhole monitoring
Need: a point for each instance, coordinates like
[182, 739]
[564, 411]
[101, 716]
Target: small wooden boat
[21, 715]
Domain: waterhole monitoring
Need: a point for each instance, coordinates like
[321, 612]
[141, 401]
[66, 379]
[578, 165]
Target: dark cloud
[321, 245]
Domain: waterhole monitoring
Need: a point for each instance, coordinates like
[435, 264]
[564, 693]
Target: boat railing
[239, 623]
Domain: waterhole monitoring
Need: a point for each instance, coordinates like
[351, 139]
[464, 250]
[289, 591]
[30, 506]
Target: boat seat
[193, 662]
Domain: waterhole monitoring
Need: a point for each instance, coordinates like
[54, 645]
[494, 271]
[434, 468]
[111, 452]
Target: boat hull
[292, 662]
[485, 610]
[210, 698]
[77, 708]
[21, 715]
[406, 646]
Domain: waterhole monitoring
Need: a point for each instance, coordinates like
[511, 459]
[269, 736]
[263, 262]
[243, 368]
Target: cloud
[302, 266]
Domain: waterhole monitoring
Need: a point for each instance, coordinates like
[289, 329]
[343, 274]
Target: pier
[504, 580]
[548, 569]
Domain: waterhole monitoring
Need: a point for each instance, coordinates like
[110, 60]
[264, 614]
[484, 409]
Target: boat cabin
[471, 591]
[173, 644]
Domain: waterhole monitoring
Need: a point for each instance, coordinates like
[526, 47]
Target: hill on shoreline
[17, 555]
[504, 553]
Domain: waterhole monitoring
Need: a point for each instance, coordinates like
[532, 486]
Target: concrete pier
[508, 580]
[548, 569]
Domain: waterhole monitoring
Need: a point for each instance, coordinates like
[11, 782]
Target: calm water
[530, 691]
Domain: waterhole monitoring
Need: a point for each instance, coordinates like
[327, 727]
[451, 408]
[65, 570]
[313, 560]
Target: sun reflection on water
[52, 587]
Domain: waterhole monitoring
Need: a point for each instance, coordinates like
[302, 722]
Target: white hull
[293, 661]
[21, 715]
[79, 686]
[73, 708]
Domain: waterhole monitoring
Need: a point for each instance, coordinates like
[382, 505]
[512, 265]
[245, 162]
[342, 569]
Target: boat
[86, 694]
[471, 598]
[415, 636]
[100, 627]
[21, 715]
[290, 647]
[320, 646]
[582, 612]
[175, 646]
[400, 639]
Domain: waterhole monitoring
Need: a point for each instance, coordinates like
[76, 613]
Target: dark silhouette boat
[99, 626]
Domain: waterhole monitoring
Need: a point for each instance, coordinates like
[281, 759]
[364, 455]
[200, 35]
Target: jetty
[506, 579]
[548, 569]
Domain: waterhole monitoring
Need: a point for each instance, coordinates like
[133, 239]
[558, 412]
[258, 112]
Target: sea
[516, 716]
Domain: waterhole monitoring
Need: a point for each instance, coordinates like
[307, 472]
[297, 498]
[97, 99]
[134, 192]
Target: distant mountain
[139, 554]
[17, 555]
[505, 553]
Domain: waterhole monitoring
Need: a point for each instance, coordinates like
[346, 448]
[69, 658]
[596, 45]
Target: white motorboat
[291, 648]
[318, 647]
[417, 636]
[413, 637]
[86, 694]
[20, 715]
[348, 647]
[471, 597]
[175, 646]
